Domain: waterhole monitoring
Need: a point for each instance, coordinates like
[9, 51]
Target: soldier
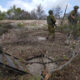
[73, 19]
[51, 23]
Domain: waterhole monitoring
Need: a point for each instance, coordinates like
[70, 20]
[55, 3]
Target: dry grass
[23, 43]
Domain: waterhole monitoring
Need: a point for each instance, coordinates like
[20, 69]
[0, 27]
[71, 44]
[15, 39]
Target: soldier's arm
[53, 18]
[73, 17]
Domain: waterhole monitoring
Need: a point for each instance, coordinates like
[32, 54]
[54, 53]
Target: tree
[17, 13]
[25, 15]
[33, 14]
[2, 15]
[11, 12]
[40, 12]
[57, 12]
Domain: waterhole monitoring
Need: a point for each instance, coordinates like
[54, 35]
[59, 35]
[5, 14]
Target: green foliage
[15, 13]
[35, 78]
[65, 57]
[31, 78]
[79, 18]
[69, 28]
[78, 29]
[78, 58]
[64, 28]
[4, 28]
[18, 10]
[20, 24]
[2, 15]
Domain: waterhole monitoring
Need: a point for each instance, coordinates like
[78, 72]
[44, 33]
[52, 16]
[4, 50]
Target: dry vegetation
[24, 42]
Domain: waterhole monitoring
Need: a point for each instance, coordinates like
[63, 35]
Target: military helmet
[50, 12]
[76, 7]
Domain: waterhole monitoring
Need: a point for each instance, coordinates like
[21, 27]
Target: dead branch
[74, 55]
[67, 63]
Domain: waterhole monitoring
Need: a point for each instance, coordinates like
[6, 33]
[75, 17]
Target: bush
[20, 24]
[4, 28]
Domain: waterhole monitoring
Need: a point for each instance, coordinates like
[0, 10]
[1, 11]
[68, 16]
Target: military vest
[50, 20]
[75, 14]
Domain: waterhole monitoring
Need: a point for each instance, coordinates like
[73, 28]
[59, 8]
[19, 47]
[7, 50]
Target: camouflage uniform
[51, 22]
[73, 21]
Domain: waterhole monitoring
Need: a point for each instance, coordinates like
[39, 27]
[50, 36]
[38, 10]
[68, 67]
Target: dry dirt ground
[30, 40]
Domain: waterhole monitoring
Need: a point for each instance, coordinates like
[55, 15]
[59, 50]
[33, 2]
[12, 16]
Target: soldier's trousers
[73, 29]
[51, 30]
